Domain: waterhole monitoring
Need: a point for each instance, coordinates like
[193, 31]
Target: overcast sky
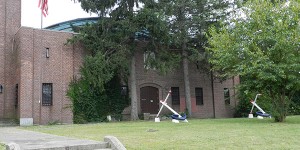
[59, 11]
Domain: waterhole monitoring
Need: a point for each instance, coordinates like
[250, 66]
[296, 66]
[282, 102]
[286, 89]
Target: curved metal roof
[67, 25]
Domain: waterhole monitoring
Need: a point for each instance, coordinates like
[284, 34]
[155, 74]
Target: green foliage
[158, 40]
[113, 41]
[245, 95]
[294, 108]
[262, 47]
[108, 7]
[244, 106]
[97, 71]
[93, 103]
[188, 20]
[164, 25]
[185, 23]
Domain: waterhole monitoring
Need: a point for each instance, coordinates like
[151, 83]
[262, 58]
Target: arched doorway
[149, 100]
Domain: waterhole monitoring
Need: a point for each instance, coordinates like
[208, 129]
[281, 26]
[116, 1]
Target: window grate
[175, 96]
[47, 92]
[199, 96]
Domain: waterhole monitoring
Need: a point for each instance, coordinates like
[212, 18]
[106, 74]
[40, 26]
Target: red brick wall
[222, 109]
[10, 22]
[63, 63]
[197, 79]
[23, 62]
[2, 58]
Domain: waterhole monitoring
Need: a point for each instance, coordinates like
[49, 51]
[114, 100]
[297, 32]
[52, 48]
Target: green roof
[67, 25]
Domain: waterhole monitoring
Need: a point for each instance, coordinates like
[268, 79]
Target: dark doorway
[149, 100]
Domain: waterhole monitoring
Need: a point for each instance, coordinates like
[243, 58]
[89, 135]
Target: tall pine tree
[188, 22]
[116, 34]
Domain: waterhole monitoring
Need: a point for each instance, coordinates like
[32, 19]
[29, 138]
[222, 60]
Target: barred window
[199, 96]
[47, 92]
[175, 96]
[226, 96]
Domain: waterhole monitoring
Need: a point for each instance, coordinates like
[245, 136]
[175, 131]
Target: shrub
[245, 95]
[294, 108]
[91, 104]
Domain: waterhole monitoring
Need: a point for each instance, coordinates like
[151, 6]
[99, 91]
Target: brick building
[36, 67]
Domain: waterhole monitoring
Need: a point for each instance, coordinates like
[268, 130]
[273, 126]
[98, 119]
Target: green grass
[240, 133]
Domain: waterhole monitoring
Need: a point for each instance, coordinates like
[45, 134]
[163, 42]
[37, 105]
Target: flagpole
[41, 19]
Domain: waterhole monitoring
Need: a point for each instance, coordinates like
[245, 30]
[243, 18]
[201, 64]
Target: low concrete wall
[114, 143]
[12, 146]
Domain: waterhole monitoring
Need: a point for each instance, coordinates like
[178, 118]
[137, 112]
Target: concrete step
[29, 140]
[16, 139]
[63, 145]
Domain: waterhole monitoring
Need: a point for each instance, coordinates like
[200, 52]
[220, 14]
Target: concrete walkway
[35, 140]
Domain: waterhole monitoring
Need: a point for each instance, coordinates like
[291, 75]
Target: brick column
[2, 43]
[26, 76]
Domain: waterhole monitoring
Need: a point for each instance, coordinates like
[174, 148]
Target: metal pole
[254, 102]
[41, 19]
[163, 105]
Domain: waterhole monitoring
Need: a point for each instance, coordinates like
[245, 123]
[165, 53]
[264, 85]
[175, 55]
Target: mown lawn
[242, 133]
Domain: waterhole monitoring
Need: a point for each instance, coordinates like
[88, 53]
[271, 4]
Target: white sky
[59, 11]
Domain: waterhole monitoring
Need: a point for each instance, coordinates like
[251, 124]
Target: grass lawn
[242, 133]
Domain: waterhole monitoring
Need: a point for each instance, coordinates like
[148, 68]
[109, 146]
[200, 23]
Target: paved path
[35, 140]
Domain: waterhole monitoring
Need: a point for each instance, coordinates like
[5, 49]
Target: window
[47, 52]
[1, 88]
[226, 96]
[149, 57]
[175, 96]
[47, 92]
[17, 96]
[199, 96]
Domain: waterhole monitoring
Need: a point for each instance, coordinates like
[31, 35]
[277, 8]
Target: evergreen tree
[115, 36]
[188, 22]
[168, 24]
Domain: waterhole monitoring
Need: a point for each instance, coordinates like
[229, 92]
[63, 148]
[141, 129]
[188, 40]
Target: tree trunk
[282, 107]
[279, 105]
[186, 81]
[134, 106]
[185, 63]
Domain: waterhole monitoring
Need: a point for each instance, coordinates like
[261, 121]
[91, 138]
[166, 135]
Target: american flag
[43, 5]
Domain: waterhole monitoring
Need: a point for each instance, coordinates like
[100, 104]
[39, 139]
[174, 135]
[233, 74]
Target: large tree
[188, 22]
[117, 35]
[167, 23]
[262, 45]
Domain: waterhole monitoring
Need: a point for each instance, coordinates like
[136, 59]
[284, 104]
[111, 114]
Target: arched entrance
[149, 99]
